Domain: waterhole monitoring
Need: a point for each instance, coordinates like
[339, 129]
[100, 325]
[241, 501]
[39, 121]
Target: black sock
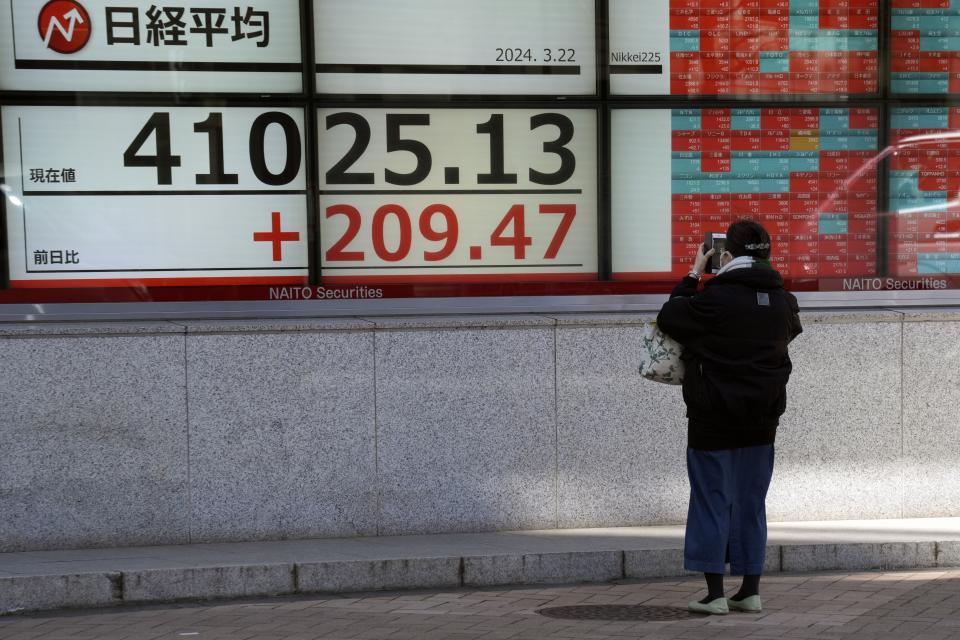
[750, 587]
[714, 587]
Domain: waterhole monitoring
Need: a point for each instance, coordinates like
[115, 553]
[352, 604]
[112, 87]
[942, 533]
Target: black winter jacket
[735, 334]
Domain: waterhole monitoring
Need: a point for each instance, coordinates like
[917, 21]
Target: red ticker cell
[685, 63]
[744, 61]
[716, 63]
[862, 246]
[864, 119]
[716, 143]
[805, 119]
[864, 21]
[715, 162]
[746, 43]
[804, 183]
[681, 22]
[715, 119]
[802, 247]
[688, 227]
[714, 22]
[927, 64]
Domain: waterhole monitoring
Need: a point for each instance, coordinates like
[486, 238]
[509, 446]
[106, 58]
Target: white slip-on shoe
[716, 607]
[750, 604]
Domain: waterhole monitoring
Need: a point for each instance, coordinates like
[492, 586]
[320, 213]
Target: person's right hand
[700, 261]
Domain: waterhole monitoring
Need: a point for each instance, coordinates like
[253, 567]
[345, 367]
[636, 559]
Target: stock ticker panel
[744, 47]
[807, 174]
[924, 230]
[925, 47]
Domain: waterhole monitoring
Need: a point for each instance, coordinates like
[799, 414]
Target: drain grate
[617, 612]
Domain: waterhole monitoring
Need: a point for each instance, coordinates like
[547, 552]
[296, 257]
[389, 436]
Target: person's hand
[700, 261]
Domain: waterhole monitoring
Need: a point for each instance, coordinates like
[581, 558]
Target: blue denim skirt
[727, 519]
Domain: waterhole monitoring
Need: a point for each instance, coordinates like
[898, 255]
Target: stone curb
[20, 594]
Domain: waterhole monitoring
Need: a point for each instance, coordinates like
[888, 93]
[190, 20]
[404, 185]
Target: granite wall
[176, 432]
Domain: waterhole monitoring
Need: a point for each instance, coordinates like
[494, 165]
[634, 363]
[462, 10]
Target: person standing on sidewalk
[735, 333]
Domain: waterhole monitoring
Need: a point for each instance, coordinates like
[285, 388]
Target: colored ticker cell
[804, 143]
[715, 162]
[864, 119]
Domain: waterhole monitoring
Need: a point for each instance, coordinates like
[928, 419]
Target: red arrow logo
[64, 26]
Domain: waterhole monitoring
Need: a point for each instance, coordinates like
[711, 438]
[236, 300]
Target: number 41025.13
[509, 232]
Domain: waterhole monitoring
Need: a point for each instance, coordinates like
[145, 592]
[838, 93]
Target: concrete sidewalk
[101, 577]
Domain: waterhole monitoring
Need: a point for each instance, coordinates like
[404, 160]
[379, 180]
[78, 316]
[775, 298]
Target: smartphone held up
[714, 240]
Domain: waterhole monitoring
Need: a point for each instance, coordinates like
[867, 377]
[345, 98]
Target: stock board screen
[467, 144]
[807, 174]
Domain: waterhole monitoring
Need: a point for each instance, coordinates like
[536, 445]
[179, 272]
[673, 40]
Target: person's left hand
[700, 261]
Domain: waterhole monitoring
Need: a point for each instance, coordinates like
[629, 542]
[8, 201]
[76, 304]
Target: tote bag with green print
[660, 356]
